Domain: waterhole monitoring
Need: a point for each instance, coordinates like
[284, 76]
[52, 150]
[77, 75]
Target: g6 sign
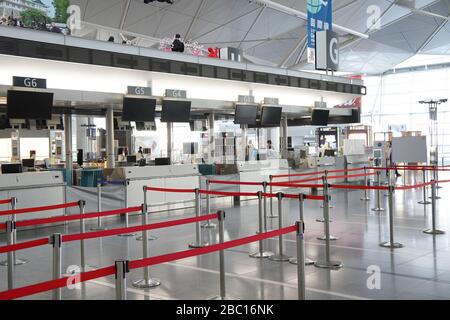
[29, 82]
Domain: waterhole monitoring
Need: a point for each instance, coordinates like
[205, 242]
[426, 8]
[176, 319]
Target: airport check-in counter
[172, 176]
[33, 189]
[260, 171]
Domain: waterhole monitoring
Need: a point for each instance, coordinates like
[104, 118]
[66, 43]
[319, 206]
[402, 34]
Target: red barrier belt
[55, 284]
[42, 221]
[316, 173]
[2, 226]
[209, 249]
[170, 190]
[24, 245]
[330, 177]
[113, 232]
[38, 209]
[305, 196]
[357, 187]
[414, 187]
[229, 194]
[242, 183]
[412, 168]
[6, 201]
[443, 181]
[295, 185]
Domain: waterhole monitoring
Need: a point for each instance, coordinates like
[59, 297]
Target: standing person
[391, 163]
[177, 45]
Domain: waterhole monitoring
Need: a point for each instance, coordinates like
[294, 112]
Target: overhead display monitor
[176, 111]
[320, 117]
[138, 109]
[271, 116]
[246, 114]
[29, 105]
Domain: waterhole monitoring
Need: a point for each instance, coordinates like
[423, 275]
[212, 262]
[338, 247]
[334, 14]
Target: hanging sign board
[320, 15]
[30, 82]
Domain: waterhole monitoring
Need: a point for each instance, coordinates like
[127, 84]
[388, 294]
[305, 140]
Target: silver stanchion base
[98, 229]
[439, 187]
[332, 238]
[198, 245]
[127, 235]
[279, 258]
[308, 262]
[365, 199]
[209, 226]
[261, 255]
[222, 298]
[424, 202]
[146, 284]
[322, 220]
[328, 264]
[329, 207]
[378, 209]
[18, 262]
[149, 238]
[388, 244]
[437, 197]
[433, 231]
[273, 217]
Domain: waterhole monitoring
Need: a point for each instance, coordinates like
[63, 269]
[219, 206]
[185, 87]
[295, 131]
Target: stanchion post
[435, 178]
[326, 210]
[99, 226]
[126, 183]
[378, 207]
[121, 279]
[433, 229]
[327, 263]
[261, 253]
[366, 184]
[146, 282]
[272, 216]
[301, 205]
[301, 278]
[208, 224]
[264, 185]
[148, 236]
[56, 242]
[198, 231]
[424, 189]
[10, 229]
[81, 205]
[280, 257]
[391, 243]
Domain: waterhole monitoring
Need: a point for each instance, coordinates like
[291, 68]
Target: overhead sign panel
[320, 17]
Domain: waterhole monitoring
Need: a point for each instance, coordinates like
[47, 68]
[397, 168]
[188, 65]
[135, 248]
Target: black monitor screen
[246, 114]
[138, 109]
[131, 159]
[28, 163]
[175, 111]
[11, 168]
[162, 161]
[320, 117]
[271, 116]
[29, 105]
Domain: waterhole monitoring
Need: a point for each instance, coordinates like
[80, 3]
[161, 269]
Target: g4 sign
[29, 82]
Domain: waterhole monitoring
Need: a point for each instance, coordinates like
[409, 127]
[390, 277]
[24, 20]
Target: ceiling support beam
[251, 27]
[197, 14]
[431, 37]
[124, 14]
[292, 51]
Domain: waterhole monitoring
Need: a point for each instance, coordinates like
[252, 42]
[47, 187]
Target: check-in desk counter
[173, 176]
[33, 189]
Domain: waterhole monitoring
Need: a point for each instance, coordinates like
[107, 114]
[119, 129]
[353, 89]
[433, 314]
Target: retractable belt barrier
[315, 173]
[6, 201]
[39, 209]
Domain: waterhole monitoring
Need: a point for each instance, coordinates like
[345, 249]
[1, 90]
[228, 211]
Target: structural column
[68, 146]
[110, 157]
[169, 140]
[284, 137]
[212, 139]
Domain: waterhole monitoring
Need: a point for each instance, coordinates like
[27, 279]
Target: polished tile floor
[420, 270]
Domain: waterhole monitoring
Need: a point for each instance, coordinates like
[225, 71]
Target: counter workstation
[172, 176]
[33, 189]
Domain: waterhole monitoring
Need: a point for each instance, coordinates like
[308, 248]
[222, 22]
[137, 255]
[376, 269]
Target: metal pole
[366, 184]
[433, 229]
[17, 262]
[378, 207]
[127, 214]
[110, 155]
[327, 263]
[265, 205]
[326, 211]
[56, 242]
[261, 253]
[10, 229]
[425, 196]
[121, 279]
[272, 216]
[146, 282]
[435, 178]
[99, 208]
[301, 204]
[280, 257]
[391, 243]
[301, 278]
[208, 224]
[198, 231]
[148, 237]
[81, 205]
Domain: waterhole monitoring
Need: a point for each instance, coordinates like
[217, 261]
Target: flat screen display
[138, 109]
[29, 105]
[320, 117]
[246, 114]
[175, 111]
[271, 116]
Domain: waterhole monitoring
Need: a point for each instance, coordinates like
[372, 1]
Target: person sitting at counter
[271, 153]
[123, 153]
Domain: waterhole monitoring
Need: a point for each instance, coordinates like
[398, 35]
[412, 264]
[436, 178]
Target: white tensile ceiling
[271, 37]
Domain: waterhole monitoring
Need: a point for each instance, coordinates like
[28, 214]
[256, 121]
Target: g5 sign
[327, 50]
[28, 82]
